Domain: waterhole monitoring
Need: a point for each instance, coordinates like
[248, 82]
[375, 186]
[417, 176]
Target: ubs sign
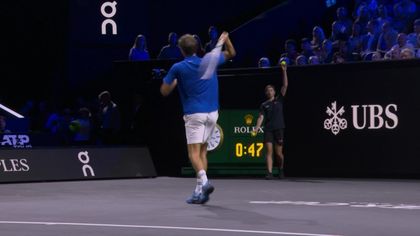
[371, 117]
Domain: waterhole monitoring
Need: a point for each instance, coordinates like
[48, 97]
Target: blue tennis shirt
[197, 95]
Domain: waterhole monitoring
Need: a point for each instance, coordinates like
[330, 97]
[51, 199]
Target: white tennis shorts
[200, 126]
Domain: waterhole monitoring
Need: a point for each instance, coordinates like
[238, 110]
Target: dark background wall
[57, 49]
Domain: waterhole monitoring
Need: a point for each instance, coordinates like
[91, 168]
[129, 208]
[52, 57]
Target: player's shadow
[245, 217]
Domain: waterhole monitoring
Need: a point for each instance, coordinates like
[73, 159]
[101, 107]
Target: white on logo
[335, 123]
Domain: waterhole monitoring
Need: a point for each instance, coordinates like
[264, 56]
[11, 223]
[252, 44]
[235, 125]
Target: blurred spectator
[81, 127]
[393, 54]
[355, 40]
[290, 46]
[110, 120]
[327, 51]
[313, 60]
[171, 51]
[363, 18]
[58, 124]
[407, 53]
[403, 43]
[370, 39]
[341, 28]
[3, 125]
[306, 48]
[264, 62]
[338, 58]
[404, 13]
[213, 36]
[301, 60]
[285, 59]
[418, 46]
[318, 37]
[200, 49]
[139, 50]
[376, 56]
[412, 37]
[387, 38]
[383, 15]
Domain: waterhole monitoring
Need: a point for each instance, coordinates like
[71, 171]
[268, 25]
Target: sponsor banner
[74, 164]
[12, 140]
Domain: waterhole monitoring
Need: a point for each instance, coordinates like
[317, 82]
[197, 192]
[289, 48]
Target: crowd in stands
[95, 121]
[373, 30]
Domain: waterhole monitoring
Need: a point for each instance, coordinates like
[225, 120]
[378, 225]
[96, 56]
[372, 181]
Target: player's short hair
[269, 86]
[188, 44]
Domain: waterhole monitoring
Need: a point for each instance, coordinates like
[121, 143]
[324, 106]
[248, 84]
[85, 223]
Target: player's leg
[194, 130]
[278, 150]
[269, 159]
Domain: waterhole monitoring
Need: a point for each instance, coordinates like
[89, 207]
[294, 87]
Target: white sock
[199, 186]
[202, 175]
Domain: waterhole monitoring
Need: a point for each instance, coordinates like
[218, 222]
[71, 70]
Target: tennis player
[200, 101]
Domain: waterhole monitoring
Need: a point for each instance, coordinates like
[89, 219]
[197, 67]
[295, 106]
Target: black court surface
[238, 207]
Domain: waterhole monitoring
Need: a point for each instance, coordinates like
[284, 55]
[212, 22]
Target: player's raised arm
[285, 84]
[229, 51]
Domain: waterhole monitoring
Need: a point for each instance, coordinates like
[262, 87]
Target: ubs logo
[371, 117]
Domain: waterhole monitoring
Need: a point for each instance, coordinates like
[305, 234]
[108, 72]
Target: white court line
[348, 204]
[163, 227]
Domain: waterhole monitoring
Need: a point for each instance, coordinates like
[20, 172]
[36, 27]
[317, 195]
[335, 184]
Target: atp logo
[336, 123]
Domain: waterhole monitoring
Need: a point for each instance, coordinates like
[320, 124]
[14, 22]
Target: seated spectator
[171, 51]
[200, 50]
[403, 43]
[326, 51]
[81, 127]
[291, 53]
[418, 47]
[387, 38]
[405, 12]
[412, 37]
[355, 40]
[393, 54]
[341, 28]
[314, 60]
[285, 59]
[372, 56]
[213, 36]
[110, 120]
[407, 53]
[338, 58]
[3, 125]
[318, 37]
[363, 18]
[306, 48]
[264, 62]
[139, 50]
[383, 15]
[301, 60]
[376, 56]
[370, 39]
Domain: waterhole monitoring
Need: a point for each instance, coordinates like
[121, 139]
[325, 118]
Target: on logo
[84, 159]
[109, 15]
[335, 123]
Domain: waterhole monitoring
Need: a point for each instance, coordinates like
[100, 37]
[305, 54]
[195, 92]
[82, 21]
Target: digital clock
[252, 149]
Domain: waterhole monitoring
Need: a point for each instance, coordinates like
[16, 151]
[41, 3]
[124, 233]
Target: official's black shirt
[273, 114]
